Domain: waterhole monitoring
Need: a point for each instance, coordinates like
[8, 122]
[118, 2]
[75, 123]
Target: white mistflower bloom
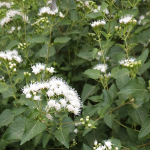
[76, 131]
[101, 67]
[57, 106]
[63, 102]
[51, 103]
[37, 98]
[86, 3]
[127, 62]
[38, 67]
[106, 11]
[108, 143]
[4, 4]
[47, 10]
[95, 142]
[141, 18]
[98, 23]
[18, 28]
[78, 123]
[49, 117]
[50, 70]
[28, 95]
[49, 2]
[61, 15]
[126, 19]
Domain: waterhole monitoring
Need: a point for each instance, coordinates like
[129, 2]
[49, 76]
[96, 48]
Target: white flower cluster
[11, 55]
[126, 19]
[99, 55]
[107, 145]
[9, 17]
[49, 2]
[2, 79]
[39, 67]
[41, 20]
[12, 66]
[47, 10]
[61, 15]
[4, 4]
[61, 95]
[106, 11]
[140, 20]
[13, 29]
[49, 116]
[127, 62]
[98, 23]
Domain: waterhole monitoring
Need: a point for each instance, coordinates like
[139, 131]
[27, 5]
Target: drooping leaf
[12, 44]
[37, 139]
[86, 55]
[109, 118]
[62, 40]
[46, 138]
[88, 90]
[32, 128]
[16, 129]
[143, 68]
[106, 98]
[62, 135]
[8, 93]
[3, 88]
[144, 36]
[40, 39]
[6, 117]
[92, 73]
[113, 91]
[85, 147]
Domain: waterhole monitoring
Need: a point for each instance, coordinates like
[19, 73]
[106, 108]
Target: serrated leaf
[37, 40]
[16, 129]
[86, 55]
[132, 134]
[37, 139]
[109, 118]
[46, 138]
[92, 73]
[86, 131]
[6, 117]
[106, 98]
[143, 68]
[145, 128]
[113, 91]
[88, 90]
[139, 114]
[85, 147]
[144, 36]
[73, 15]
[139, 29]
[62, 40]
[3, 88]
[12, 44]
[103, 6]
[8, 93]
[20, 110]
[93, 15]
[62, 135]
[96, 98]
[33, 127]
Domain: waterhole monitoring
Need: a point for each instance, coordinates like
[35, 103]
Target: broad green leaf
[133, 148]
[44, 51]
[132, 134]
[74, 16]
[103, 6]
[16, 129]
[120, 45]
[144, 36]
[114, 50]
[37, 139]
[39, 39]
[32, 128]
[102, 111]
[139, 114]
[93, 15]
[12, 44]
[143, 56]
[106, 98]
[143, 68]
[20, 110]
[34, 113]
[116, 143]
[19, 77]
[3, 88]
[46, 138]
[62, 40]
[137, 89]
[68, 123]
[72, 32]
[62, 135]
[86, 131]
[92, 73]
[139, 29]
[8, 93]
[6, 117]
[113, 91]
[145, 128]
[86, 55]
[88, 90]
[109, 119]
[85, 147]
[90, 110]
[133, 12]
[96, 98]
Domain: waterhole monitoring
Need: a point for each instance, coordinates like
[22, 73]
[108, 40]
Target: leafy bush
[75, 75]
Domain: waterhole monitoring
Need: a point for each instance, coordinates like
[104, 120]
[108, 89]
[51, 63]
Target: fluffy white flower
[57, 106]
[76, 131]
[38, 67]
[2, 4]
[28, 95]
[126, 19]
[101, 67]
[63, 102]
[126, 62]
[108, 143]
[61, 15]
[37, 98]
[49, 117]
[51, 103]
[47, 10]
[98, 23]
[95, 142]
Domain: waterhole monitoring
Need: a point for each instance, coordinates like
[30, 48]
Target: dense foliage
[74, 74]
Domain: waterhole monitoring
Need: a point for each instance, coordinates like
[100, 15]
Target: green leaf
[20, 110]
[96, 98]
[143, 56]
[85, 147]
[93, 15]
[46, 138]
[133, 148]
[86, 55]
[8, 93]
[113, 91]
[133, 12]
[144, 36]
[106, 98]
[37, 139]
[86, 131]
[12, 44]
[88, 90]
[44, 51]
[143, 68]
[109, 119]
[145, 128]
[62, 40]
[103, 6]
[139, 114]
[3, 88]
[116, 143]
[120, 45]
[132, 134]
[92, 73]
[137, 89]
[74, 16]
[139, 29]
[33, 127]
[37, 40]
[6, 117]
[62, 135]
[16, 129]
